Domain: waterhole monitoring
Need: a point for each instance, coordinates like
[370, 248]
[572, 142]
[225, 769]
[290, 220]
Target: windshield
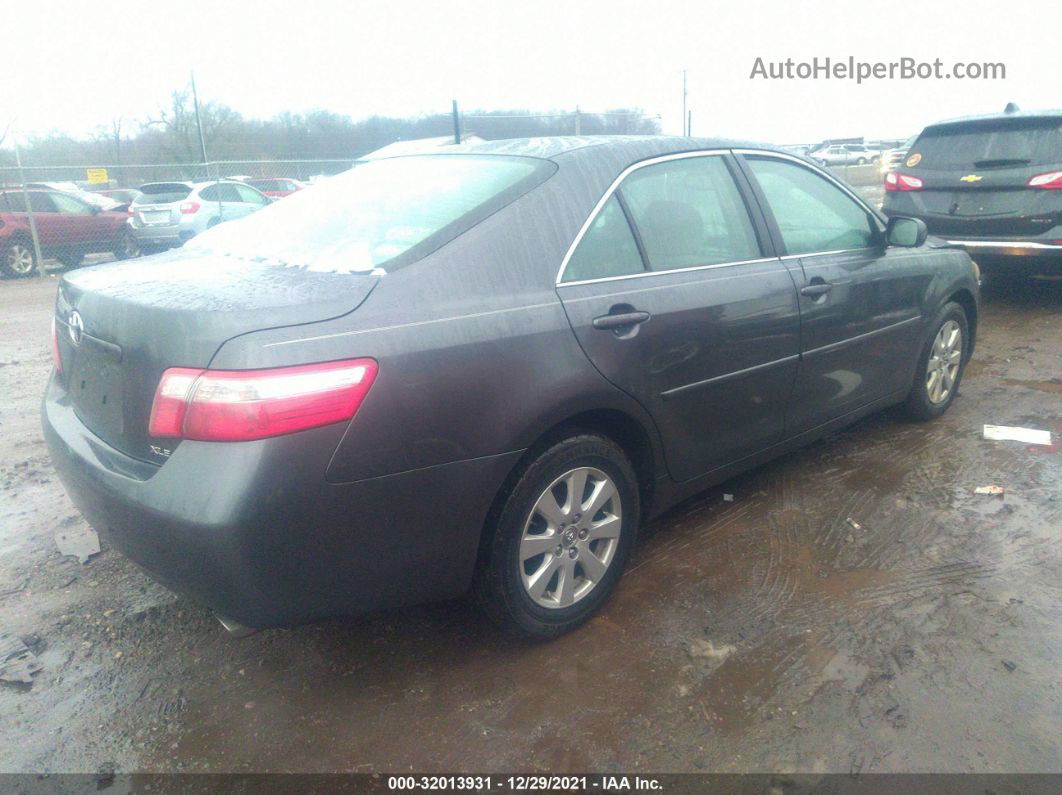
[1006, 142]
[386, 211]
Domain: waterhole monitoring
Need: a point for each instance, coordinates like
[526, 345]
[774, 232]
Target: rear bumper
[254, 532]
[161, 235]
[1010, 248]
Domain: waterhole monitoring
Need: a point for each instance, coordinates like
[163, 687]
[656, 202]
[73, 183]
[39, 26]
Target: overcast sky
[75, 65]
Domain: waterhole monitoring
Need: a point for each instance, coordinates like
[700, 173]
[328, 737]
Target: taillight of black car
[895, 181]
[1052, 180]
[241, 405]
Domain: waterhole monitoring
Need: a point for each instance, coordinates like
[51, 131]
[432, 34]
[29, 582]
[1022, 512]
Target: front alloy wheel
[942, 369]
[19, 259]
[940, 365]
[570, 537]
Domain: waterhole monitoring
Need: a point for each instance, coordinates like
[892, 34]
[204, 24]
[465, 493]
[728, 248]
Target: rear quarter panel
[476, 354]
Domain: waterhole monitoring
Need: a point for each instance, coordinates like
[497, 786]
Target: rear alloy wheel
[561, 539]
[940, 366]
[128, 247]
[570, 537]
[18, 259]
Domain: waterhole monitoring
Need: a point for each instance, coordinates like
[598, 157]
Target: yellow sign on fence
[97, 176]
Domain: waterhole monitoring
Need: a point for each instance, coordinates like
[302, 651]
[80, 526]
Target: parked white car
[845, 155]
[167, 214]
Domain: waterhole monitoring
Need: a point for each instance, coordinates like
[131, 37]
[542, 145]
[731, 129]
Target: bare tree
[179, 138]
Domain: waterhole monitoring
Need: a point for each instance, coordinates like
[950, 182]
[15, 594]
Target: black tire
[861, 161]
[127, 247]
[918, 404]
[499, 586]
[14, 256]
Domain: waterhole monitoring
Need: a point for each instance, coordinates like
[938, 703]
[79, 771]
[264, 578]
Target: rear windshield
[162, 193]
[1016, 142]
[269, 184]
[385, 212]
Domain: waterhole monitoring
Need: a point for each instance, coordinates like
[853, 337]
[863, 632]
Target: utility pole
[198, 122]
[684, 132]
[457, 122]
[29, 213]
[689, 122]
[578, 121]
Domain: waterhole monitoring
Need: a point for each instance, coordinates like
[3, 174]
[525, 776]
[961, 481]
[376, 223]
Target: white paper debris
[854, 524]
[728, 498]
[80, 541]
[1010, 433]
[993, 489]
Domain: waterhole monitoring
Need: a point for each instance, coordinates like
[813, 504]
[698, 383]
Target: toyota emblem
[75, 326]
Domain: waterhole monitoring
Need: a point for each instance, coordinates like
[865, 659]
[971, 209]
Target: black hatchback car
[992, 184]
[484, 368]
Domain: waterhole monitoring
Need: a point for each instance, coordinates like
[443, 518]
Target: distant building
[419, 146]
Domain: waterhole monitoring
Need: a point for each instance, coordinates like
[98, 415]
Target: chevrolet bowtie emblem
[970, 178]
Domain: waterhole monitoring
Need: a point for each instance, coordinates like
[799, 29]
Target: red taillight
[1052, 180]
[240, 405]
[895, 181]
[55, 348]
[189, 208]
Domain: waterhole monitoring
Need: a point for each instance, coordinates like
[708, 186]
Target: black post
[457, 123]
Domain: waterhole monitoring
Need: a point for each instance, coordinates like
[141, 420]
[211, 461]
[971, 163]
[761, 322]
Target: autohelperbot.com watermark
[850, 68]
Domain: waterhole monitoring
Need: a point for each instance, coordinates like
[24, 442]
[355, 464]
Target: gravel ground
[854, 608]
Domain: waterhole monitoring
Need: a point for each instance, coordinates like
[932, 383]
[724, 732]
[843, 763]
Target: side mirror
[906, 232]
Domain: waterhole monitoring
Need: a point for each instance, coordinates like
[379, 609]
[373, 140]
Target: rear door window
[250, 195]
[41, 202]
[607, 249]
[689, 212]
[1003, 142]
[69, 204]
[812, 213]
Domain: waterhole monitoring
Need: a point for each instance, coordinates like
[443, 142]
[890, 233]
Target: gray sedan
[485, 369]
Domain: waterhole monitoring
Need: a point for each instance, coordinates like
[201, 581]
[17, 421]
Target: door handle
[621, 320]
[816, 289]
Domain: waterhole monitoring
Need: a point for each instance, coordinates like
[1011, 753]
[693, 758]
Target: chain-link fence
[66, 216]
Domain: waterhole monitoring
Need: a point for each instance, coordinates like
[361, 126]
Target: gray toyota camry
[484, 369]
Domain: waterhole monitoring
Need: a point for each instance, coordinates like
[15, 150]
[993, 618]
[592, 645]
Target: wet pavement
[854, 608]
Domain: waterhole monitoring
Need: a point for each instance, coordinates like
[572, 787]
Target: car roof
[637, 147]
[984, 117]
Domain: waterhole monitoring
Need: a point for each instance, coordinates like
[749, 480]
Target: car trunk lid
[120, 326]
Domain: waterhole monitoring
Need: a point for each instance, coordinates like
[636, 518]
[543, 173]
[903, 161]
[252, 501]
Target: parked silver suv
[167, 214]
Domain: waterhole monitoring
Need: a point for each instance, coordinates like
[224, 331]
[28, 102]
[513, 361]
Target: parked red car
[68, 228]
[277, 187]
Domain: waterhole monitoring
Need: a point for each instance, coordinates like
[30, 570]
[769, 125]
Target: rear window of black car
[1002, 142]
[163, 193]
[382, 213]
